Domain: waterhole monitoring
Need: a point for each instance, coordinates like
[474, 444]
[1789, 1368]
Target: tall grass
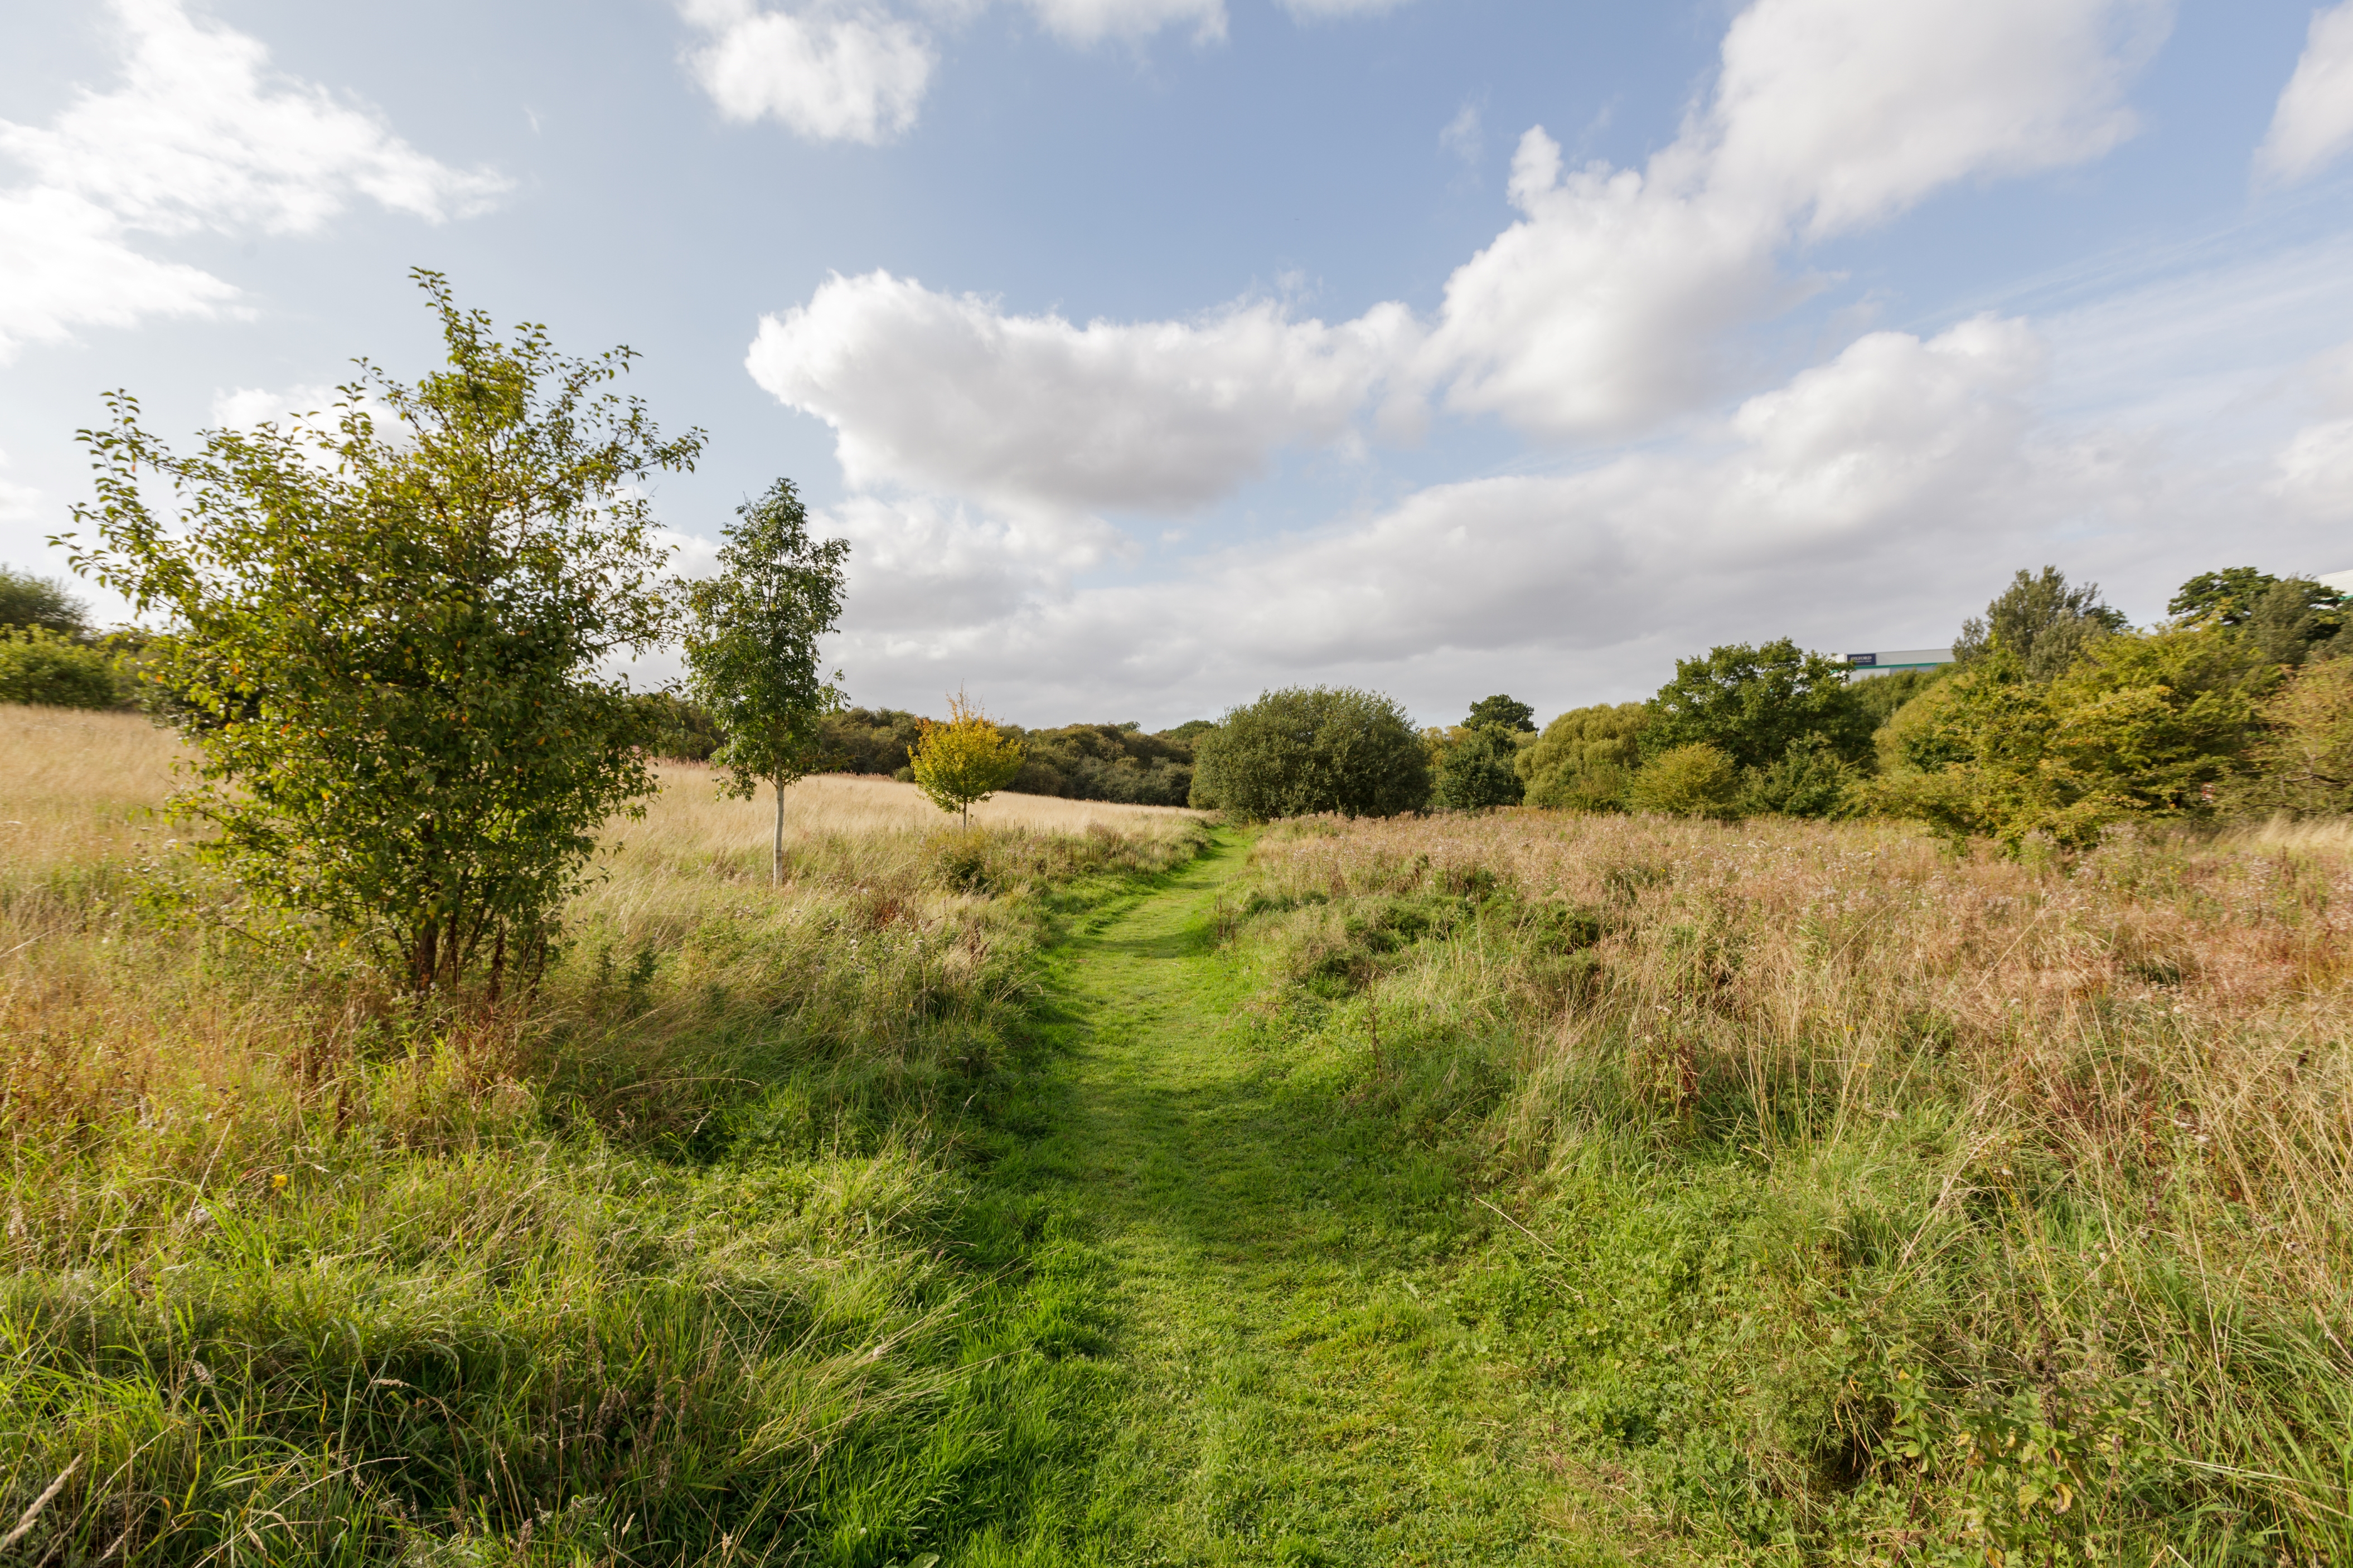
[1884, 1206]
[672, 1261]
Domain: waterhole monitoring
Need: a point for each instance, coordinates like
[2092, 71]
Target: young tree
[387, 650]
[963, 761]
[751, 648]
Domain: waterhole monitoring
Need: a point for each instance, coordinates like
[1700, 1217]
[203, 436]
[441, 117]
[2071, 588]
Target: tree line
[2056, 719]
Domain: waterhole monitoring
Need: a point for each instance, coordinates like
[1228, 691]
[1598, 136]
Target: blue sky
[1152, 352]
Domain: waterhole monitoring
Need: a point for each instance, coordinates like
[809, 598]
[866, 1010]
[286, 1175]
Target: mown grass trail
[1272, 1270]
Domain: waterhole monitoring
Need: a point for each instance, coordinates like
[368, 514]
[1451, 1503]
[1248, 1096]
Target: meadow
[673, 1260]
[1102, 1186]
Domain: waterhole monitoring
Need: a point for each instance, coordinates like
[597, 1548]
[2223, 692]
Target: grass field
[1092, 1189]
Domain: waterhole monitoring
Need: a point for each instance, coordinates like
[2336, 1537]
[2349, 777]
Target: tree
[1750, 703]
[1476, 770]
[751, 648]
[2154, 724]
[1586, 759]
[389, 650]
[1305, 750]
[26, 601]
[1503, 713]
[2042, 620]
[2304, 761]
[963, 761]
[2286, 619]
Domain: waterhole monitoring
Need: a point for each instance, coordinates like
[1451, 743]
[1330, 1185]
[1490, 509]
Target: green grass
[1281, 1372]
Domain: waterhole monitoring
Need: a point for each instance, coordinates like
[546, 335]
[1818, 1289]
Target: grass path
[1289, 1383]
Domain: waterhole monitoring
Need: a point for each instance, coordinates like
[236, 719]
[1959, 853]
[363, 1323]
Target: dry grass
[104, 1007]
[78, 787]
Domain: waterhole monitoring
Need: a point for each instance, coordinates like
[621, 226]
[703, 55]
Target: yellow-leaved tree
[963, 761]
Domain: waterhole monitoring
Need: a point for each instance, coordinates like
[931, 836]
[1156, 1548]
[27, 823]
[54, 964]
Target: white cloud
[1086, 22]
[2314, 473]
[201, 135]
[1774, 523]
[1464, 136]
[948, 393]
[1607, 306]
[18, 502]
[831, 73]
[2314, 121]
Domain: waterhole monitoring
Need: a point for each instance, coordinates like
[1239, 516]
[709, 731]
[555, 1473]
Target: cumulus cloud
[832, 73]
[1607, 306]
[2314, 121]
[1898, 443]
[200, 135]
[948, 393]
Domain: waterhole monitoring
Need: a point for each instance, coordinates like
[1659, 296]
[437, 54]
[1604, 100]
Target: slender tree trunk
[777, 853]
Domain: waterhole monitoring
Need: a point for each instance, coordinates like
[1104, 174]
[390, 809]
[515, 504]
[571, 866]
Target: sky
[1153, 353]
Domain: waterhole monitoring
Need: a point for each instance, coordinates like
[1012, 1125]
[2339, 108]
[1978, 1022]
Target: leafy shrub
[1809, 780]
[39, 665]
[1696, 780]
[1302, 751]
[1586, 759]
[405, 726]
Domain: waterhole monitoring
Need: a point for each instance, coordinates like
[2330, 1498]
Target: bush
[1809, 780]
[1586, 759]
[1302, 751]
[1696, 780]
[407, 727]
[39, 665]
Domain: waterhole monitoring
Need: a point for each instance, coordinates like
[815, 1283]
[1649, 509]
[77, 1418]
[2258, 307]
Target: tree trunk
[777, 853]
